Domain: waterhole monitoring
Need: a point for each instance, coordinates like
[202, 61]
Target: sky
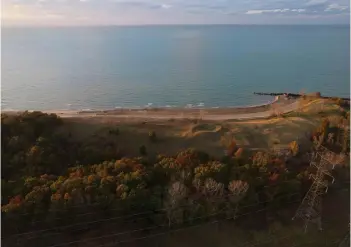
[146, 12]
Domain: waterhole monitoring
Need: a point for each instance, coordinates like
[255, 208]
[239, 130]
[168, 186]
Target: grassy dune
[210, 136]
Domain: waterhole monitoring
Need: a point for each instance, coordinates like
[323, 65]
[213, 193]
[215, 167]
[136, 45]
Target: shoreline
[147, 113]
[149, 106]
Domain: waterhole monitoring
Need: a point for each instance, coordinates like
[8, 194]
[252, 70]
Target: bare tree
[197, 184]
[177, 193]
[237, 191]
[214, 194]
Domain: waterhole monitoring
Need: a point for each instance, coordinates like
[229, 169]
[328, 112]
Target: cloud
[298, 10]
[121, 12]
[261, 11]
[166, 6]
[141, 4]
[336, 7]
[254, 12]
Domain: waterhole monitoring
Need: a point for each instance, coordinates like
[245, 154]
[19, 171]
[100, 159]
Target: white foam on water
[134, 107]
[8, 109]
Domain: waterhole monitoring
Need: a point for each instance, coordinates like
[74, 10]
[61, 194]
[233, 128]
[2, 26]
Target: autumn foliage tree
[294, 147]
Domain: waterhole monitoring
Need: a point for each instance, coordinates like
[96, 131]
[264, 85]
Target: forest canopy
[49, 177]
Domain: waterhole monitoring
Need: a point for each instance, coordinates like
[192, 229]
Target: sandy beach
[206, 129]
[216, 114]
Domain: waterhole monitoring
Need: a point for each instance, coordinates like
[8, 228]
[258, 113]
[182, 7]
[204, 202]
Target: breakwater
[294, 95]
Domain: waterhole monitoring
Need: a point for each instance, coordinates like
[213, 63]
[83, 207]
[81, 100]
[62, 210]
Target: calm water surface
[108, 67]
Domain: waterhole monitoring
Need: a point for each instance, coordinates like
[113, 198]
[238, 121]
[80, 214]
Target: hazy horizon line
[155, 25]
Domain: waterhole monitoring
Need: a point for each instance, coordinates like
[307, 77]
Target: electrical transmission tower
[331, 157]
[345, 242]
[343, 135]
[345, 139]
[310, 207]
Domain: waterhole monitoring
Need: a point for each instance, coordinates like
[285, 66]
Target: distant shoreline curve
[148, 108]
[216, 114]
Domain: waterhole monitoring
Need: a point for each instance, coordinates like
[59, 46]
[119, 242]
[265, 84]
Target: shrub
[212, 169]
[342, 103]
[114, 131]
[260, 159]
[191, 158]
[152, 136]
[239, 152]
[142, 150]
[232, 148]
[276, 141]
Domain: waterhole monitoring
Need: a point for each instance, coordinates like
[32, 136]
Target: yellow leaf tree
[294, 147]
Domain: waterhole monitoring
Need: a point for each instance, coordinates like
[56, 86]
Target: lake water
[211, 66]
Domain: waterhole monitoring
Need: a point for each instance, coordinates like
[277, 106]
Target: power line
[103, 204]
[260, 242]
[165, 225]
[158, 234]
[96, 204]
[102, 220]
[151, 212]
[131, 215]
[112, 209]
[52, 234]
[118, 209]
[250, 243]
